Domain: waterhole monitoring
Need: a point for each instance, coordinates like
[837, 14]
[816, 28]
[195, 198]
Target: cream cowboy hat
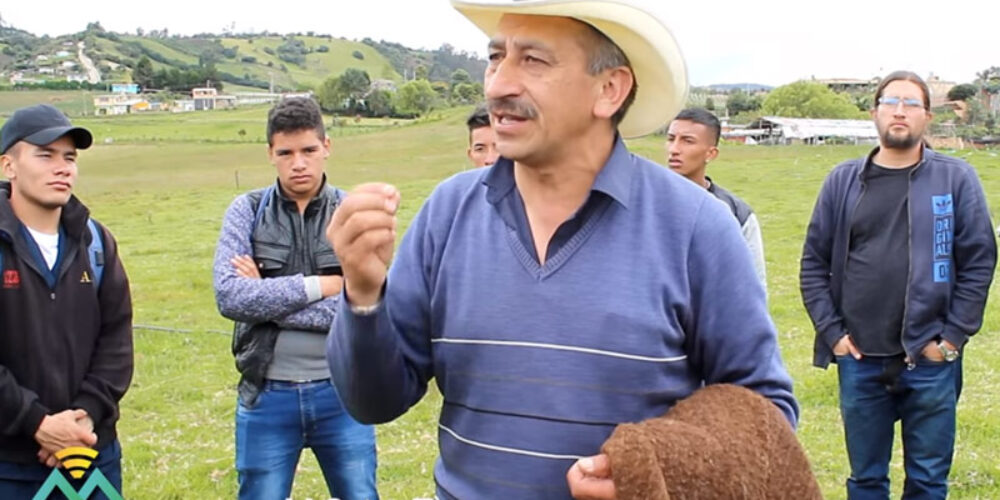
[656, 59]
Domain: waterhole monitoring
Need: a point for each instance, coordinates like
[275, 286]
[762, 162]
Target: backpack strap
[96, 252]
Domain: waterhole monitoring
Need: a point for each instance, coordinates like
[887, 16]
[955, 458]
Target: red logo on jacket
[11, 279]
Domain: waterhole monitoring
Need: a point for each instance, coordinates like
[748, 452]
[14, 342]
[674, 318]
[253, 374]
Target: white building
[778, 130]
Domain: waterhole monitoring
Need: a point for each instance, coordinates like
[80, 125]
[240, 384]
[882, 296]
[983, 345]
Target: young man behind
[65, 311]
[693, 142]
[482, 149]
[896, 268]
[276, 275]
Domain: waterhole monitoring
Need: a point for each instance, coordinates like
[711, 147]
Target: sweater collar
[614, 179]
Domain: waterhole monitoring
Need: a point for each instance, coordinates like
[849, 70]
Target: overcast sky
[767, 41]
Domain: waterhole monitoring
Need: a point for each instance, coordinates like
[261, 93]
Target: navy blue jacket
[952, 253]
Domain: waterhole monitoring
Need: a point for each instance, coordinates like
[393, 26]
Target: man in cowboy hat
[571, 286]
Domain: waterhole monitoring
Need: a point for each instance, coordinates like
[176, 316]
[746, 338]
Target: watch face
[949, 354]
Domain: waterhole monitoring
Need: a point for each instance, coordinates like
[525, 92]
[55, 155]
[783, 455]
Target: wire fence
[169, 329]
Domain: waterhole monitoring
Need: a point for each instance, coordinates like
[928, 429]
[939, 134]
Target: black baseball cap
[40, 125]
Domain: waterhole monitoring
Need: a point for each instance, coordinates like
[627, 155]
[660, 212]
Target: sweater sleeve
[381, 363]
[316, 317]
[732, 338]
[22, 411]
[248, 299]
[755, 240]
[975, 261]
[816, 266]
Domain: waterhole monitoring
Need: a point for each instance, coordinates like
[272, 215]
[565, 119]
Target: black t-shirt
[878, 262]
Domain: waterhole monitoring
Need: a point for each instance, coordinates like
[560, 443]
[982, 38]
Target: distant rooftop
[805, 128]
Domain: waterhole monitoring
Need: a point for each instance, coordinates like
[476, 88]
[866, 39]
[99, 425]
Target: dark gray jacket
[952, 253]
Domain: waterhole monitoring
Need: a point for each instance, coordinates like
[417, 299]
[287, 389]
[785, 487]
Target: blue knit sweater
[652, 297]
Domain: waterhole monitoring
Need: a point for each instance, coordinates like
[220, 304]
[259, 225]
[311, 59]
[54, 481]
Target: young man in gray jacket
[276, 275]
[693, 142]
[896, 268]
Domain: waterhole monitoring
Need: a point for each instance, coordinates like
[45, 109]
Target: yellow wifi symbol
[76, 459]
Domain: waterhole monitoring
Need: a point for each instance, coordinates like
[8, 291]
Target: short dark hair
[604, 54]
[704, 117]
[294, 114]
[908, 76]
[478, 119]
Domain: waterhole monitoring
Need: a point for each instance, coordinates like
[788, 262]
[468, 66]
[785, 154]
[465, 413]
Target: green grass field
[71, 102]
[164, 200]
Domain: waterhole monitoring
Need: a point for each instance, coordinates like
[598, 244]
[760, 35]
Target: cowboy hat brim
[656, 59]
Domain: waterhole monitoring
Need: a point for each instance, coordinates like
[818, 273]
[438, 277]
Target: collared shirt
[611, 184]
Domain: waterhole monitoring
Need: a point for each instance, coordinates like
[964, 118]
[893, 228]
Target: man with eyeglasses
[896, 268]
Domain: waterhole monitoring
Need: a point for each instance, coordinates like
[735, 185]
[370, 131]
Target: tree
[420, 73]
[804, 99]
[467, 93]
[709, 104]
[415, 97]
[442, 89]
[460, 76]
[355, 82]
[329, 95]
[353, 85]
[379, 103]
[143, 73]
[739, 102]
[962, 92]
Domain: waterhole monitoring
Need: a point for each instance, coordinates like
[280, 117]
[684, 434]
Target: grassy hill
[288, 62]
[71, 102]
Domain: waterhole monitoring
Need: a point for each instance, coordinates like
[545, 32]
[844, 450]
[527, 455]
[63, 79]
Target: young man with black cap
[65, 309]
[571, 286]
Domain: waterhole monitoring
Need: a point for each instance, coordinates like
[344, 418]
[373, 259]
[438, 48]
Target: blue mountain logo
[77, 460]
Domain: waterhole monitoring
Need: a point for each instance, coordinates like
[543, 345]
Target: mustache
[512, 106]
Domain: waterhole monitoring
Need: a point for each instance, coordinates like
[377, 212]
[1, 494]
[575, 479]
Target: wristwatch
[948, 353]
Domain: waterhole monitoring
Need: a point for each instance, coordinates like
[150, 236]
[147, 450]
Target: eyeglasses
[908, 103]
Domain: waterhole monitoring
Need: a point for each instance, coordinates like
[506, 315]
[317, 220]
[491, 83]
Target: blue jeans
[24, 480]
[924, 399]
[290, 416]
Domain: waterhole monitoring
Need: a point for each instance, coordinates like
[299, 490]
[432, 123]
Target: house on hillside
[939, 90]
[778, 130]
[382, 84]
[117, 104]
[250, 98]
[19, 78]
[850, 85]
[209, 98]
[182, 106]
